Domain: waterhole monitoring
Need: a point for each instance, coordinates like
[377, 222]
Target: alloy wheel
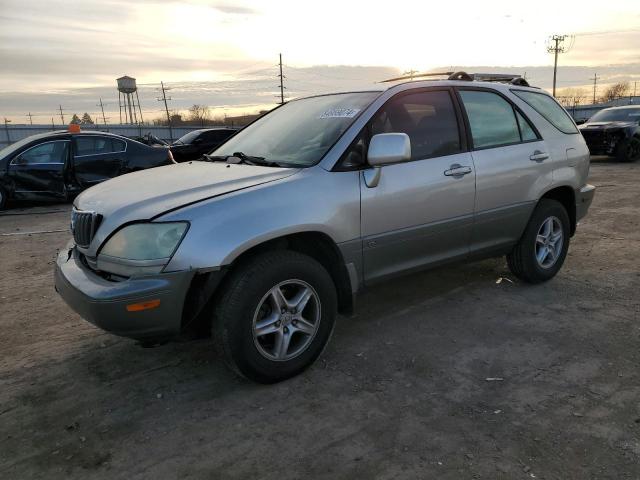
[286, 320]
[549, 241]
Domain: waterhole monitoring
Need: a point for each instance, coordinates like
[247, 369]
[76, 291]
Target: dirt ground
[403, 391]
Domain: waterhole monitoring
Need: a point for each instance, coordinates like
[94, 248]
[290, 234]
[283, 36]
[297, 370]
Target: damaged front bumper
[108, 304]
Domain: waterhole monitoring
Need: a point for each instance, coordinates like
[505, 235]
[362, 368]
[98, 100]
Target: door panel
[416, 216]
[512, 168]
[420, 212]
[97, 159]
[507, 186]
[40, 169]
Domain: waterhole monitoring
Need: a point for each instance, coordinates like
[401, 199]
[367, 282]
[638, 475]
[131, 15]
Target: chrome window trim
[35, 146]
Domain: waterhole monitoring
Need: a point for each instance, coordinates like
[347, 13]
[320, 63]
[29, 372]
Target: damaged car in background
[59, 165]
[614, 132]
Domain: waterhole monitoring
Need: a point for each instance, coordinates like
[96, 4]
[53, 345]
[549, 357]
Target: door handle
[457, 170]
[538, 156]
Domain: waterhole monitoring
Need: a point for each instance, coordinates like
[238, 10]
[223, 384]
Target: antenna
[555, 45]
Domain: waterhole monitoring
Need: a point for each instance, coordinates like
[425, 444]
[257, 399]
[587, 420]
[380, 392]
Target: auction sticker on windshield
[340, 113]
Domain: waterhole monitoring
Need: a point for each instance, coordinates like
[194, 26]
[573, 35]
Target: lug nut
[286, 330]
[295, 322]
[278, 323]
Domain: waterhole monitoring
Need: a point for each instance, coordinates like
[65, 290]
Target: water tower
[126, 88]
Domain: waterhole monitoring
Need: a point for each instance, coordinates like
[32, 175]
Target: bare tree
[616, 91]
[199, 114]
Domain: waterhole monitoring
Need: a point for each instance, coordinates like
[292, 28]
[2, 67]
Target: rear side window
[118, 145]
[93, 145]
[429, 118]
[551, 110]
[491, 118]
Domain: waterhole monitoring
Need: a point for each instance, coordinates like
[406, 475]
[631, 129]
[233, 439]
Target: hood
[146, 194]
[605, 125]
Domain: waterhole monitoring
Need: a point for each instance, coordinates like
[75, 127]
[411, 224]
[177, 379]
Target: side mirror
[197, 140]
[388, 148]
[580, 122]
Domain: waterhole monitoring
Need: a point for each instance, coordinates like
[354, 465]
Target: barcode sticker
[340, 113]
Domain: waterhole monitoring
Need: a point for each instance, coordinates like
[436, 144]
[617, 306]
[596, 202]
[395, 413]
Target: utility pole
[411, 73]
[166, 108]
[595, 83]
[282, 77]
[30, 119]
[102, 108]
[53, 125]
[556, 47]
[6, 128]
[61, 115]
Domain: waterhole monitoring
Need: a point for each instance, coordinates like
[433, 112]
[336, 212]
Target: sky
[223, 53]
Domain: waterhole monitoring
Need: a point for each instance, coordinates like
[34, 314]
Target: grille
[84, 226]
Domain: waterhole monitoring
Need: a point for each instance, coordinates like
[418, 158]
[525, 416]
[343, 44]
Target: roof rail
[467, 77]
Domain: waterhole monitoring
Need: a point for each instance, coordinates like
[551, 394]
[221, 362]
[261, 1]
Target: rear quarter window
[551, 110]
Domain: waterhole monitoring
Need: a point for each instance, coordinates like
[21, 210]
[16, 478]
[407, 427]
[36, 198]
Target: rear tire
[628, 150]
[541, 251]
[257, 326]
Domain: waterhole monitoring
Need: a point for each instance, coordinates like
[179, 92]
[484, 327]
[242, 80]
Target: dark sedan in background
[195, 144]
[59, 165]
[615, 132]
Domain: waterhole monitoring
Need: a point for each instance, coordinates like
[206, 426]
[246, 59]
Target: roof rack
[467, 77]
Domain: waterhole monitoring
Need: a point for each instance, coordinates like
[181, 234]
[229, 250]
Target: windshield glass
[188, 138]
[617, 115]
[300, 132]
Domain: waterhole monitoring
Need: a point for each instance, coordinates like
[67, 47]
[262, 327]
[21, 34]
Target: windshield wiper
[243, 158]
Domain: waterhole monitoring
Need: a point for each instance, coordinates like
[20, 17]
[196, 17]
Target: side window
[90, 145]
[526, 130]
[551, 110]
[429, 118]
[118, 145]
[491, 119]
[50, 152]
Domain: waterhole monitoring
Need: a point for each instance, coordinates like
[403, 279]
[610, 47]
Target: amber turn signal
[148, 305]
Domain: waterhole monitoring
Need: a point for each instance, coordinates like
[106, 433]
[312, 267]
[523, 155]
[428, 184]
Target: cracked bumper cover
[104, 303]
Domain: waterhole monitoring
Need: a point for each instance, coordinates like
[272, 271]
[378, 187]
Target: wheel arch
[315, 244]
[566, 195]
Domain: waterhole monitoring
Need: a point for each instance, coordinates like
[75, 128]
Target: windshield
[617, 115]
[189, 137]
[300, 132]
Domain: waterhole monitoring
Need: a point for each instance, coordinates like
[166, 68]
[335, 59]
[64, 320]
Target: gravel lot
[403, 391]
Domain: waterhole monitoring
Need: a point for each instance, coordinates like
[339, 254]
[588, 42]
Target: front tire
[541, 251]
[274, 315]
[628, 150]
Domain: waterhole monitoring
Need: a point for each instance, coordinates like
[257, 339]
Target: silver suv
[262, 244]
